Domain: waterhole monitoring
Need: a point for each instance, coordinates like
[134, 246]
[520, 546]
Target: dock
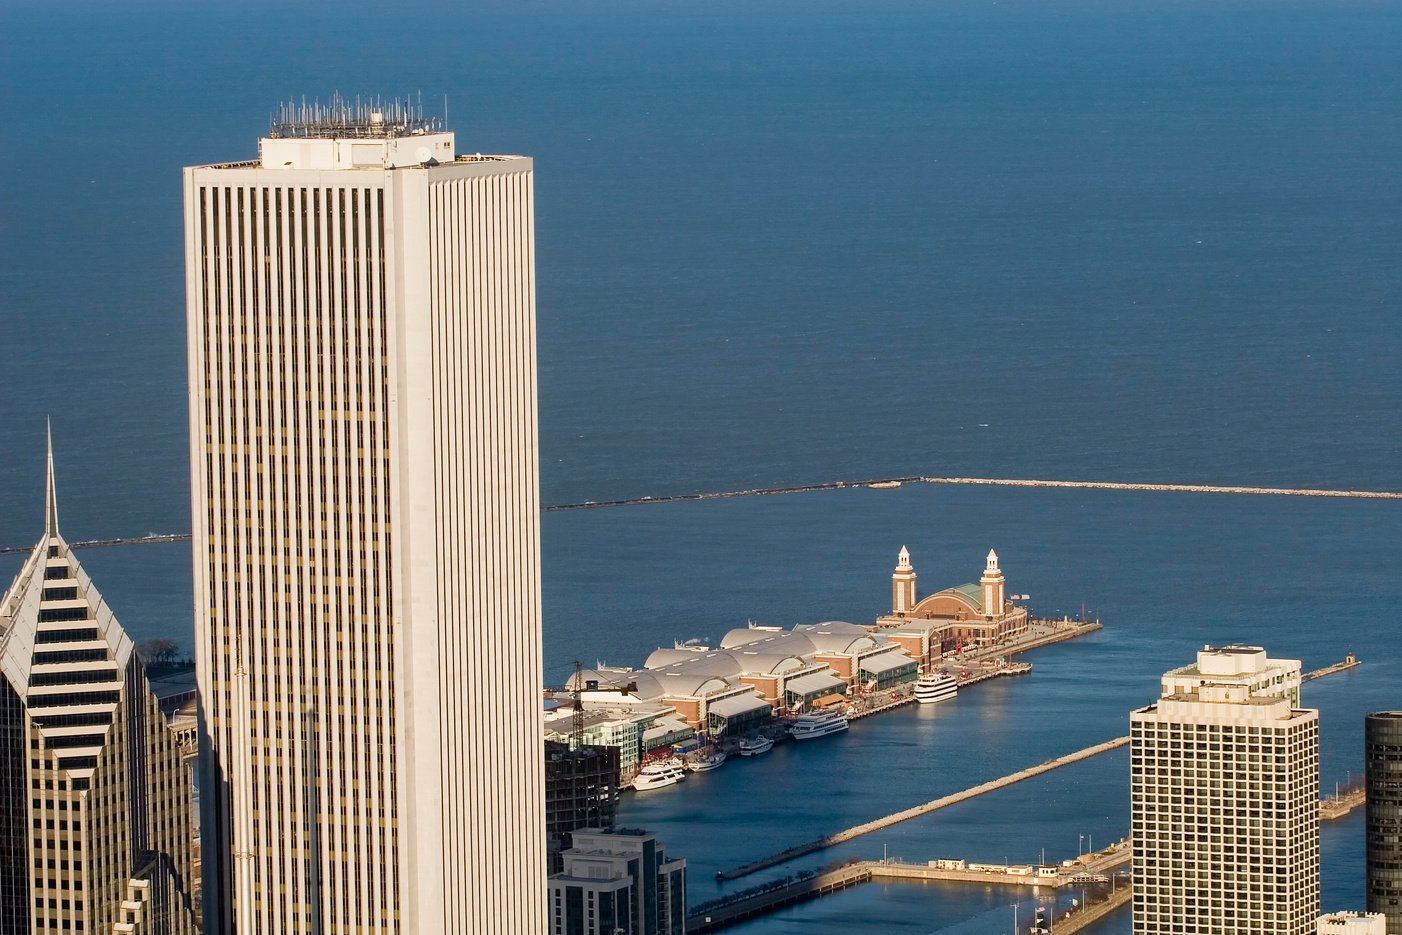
[1340, 805]
[856, 831]
[1090, 869]
[1350, 662]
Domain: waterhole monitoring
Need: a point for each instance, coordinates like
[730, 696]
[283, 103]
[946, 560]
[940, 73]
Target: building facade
[361, 310]
[1224, 802]
[581, 791]
[618, 883]
[1382, 741]
[96, 790]
[967, 615]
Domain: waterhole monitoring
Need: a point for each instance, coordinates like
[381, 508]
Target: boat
[658, 775]
[818, 724]
[937, 686]
[706, 761]
[754, 746]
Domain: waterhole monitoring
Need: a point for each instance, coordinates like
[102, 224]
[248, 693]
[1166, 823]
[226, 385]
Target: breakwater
[877, 484]
[893, 482]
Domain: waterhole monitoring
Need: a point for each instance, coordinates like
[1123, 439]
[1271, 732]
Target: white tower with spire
[992, 583]
[903, 585]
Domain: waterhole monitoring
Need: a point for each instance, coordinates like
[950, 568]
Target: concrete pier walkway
[856, 831]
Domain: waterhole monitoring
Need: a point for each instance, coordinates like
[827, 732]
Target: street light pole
[1014, 918]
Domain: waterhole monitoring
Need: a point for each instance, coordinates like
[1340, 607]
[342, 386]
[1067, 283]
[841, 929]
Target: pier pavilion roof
[763, 662]
[663, 657]
[948, 603]
[839, 636]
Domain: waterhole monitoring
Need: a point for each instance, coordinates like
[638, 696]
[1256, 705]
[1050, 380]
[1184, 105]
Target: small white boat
[818, 724]
[706, 761]
[658, 775]
[755, 745]
[937, 686]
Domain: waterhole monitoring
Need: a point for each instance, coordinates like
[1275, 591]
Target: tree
[157, 652]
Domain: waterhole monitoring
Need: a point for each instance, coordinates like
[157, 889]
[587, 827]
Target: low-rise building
[1352, 923]
[758, 672]
[618, 720]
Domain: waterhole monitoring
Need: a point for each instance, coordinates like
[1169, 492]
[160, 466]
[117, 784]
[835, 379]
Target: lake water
[783, 243]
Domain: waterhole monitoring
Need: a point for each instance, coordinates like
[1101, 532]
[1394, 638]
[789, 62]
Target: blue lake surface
[783, 243]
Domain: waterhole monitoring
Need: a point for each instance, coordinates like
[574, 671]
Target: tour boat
[818, 724]
[937, 686]
[755, 745]
[657, 775]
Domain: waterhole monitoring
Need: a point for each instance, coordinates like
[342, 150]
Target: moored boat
[709, 760]
[755, 745]
[818, 724]
[936, 686]
[658, 775]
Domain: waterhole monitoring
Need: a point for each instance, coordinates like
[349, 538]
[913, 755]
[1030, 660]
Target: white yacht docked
[755, 745]
[937, 686]
[657, 775]
[706, 761]
[818, 724]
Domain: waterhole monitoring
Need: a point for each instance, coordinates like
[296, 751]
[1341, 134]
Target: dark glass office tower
[1382, 740]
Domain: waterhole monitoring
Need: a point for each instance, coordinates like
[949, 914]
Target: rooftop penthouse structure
[1247, 666]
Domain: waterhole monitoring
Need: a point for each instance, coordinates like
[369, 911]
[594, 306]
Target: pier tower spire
[992, 583]
[903, 585]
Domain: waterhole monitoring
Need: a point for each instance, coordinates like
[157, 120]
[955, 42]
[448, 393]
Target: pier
[856, 831]
[1340, 805]
[1090, 869]
[1350, 662]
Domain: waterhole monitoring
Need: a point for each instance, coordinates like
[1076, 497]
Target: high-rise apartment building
[1382, 742]
[95, 788]
[1224, 801]
[361, 307]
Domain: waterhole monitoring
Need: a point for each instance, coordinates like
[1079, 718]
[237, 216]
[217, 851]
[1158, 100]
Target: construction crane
[576, 691]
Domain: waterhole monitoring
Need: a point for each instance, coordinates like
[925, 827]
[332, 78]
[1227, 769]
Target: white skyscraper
[1224, 800]
[361, 307]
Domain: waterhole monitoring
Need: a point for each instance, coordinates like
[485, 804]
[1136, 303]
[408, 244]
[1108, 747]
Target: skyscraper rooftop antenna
[369, 118]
